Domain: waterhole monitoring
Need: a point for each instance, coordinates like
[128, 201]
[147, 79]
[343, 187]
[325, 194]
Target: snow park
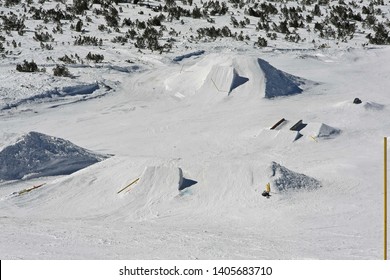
[193, 130]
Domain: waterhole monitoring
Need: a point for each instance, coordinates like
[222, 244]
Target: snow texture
[37, 154]
[284, 179]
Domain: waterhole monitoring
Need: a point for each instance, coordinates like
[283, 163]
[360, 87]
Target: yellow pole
[268, 188]
[135, 181]
[385, 198]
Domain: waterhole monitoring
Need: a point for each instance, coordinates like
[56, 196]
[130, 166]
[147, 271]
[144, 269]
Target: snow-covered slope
[189, 130]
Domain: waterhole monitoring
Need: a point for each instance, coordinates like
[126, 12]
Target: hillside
[173, 104]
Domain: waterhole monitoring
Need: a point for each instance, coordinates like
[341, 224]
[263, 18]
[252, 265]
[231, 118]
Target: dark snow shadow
[187, 183]
[237, 81]
[279, 83]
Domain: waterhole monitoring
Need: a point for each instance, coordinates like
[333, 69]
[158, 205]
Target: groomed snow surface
[191, 151]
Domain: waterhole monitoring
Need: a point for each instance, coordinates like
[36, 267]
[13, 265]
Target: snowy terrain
[167, 156]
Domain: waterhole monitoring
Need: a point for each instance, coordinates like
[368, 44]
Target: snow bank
[37, 154]
[284, 179]
[85, 89]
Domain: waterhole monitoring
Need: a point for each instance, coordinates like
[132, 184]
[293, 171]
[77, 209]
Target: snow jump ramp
[154, 191]
[226, 74]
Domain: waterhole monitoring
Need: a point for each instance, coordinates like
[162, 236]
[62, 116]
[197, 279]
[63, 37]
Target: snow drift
[37, 154]
[284, 179]
[373, 106]
[228, 74]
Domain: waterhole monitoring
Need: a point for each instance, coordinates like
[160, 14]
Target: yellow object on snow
[268, 188]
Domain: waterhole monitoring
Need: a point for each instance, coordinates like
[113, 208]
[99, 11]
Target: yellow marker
[268, 188]
[385, 200]
[30, 189]
[313, 138]
[135, 181]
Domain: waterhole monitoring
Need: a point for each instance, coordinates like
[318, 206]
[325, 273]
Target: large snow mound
[284, 179]
[227, 74]
[36, 154]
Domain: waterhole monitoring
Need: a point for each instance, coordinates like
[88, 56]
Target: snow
[284, 179]
[194, 127]
[55, 94]
[188, 55]
[37, 155]
[227, 73]
[279, 83]
[320, 130]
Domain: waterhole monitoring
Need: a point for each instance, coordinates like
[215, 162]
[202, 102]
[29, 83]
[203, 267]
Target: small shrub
[79, 26]
[88, 40]
[95, 57]
[27, 66]
[66, 59]
[43, 37]
[80, 6]
[61, 71]
[261, 42]
[9, 3]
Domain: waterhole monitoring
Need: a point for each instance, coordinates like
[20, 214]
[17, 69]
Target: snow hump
[36, 154]
[226, 74]
[284, 179]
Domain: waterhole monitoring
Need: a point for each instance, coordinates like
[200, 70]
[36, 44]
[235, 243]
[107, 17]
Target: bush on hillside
[9, 3]
[95, 57]
[61, 71]
[27, 66]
